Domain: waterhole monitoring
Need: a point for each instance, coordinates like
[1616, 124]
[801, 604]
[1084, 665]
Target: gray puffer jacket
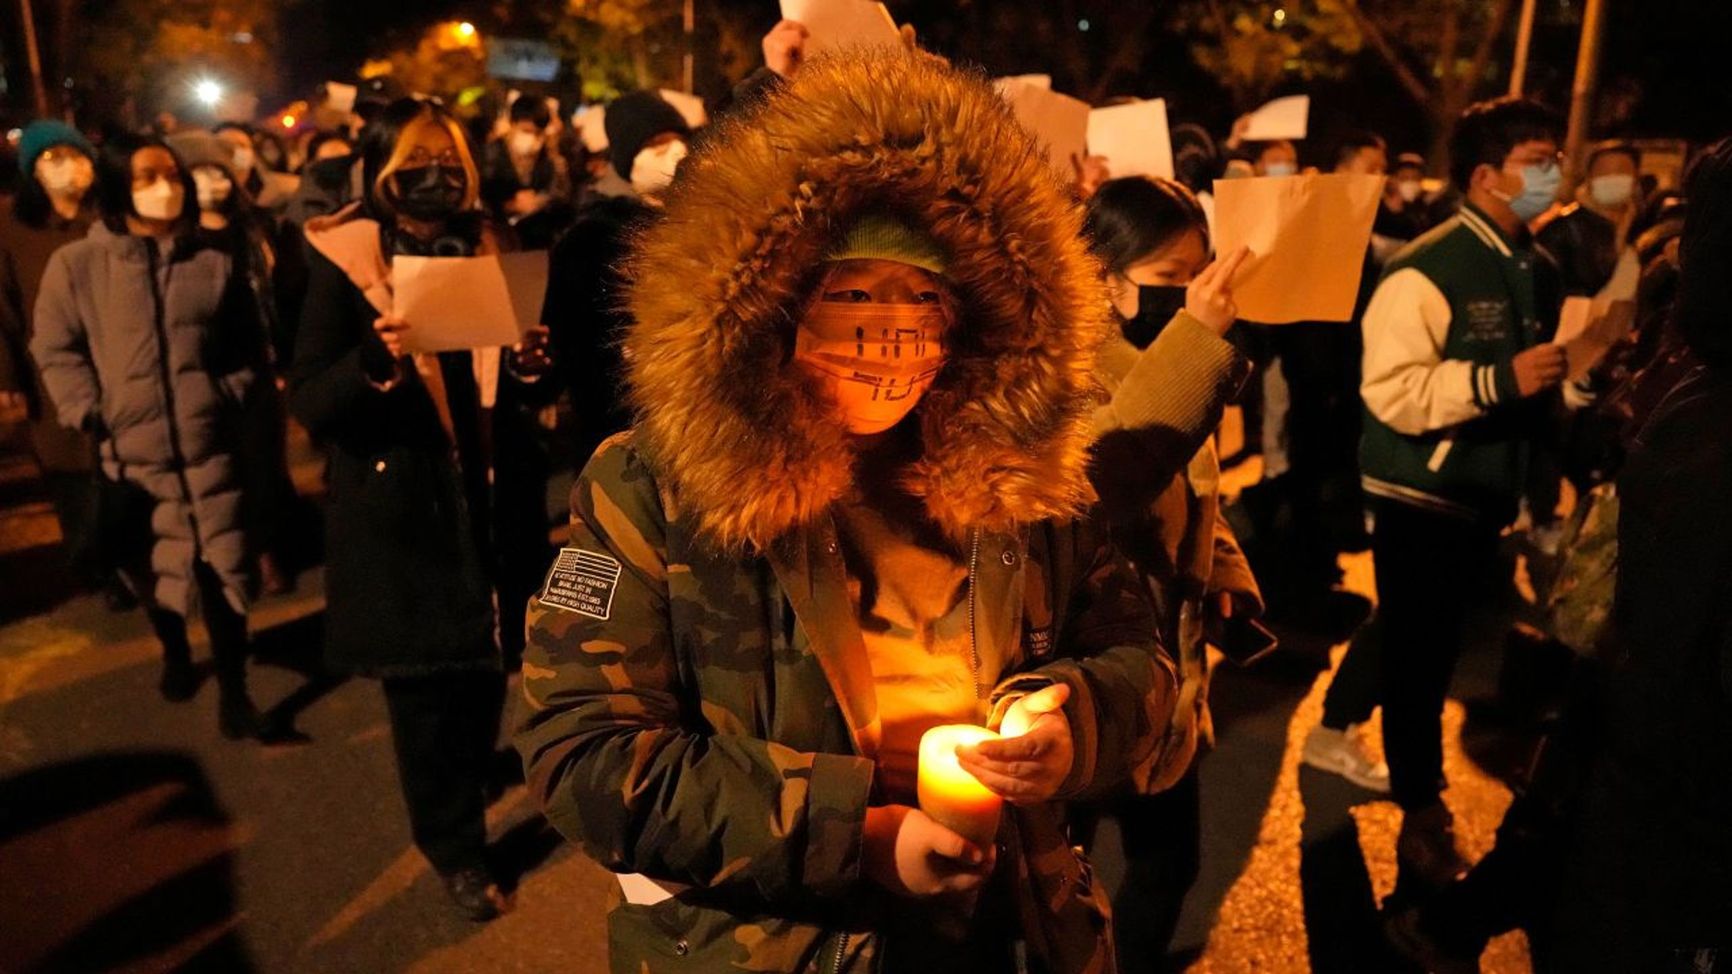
[153, 352]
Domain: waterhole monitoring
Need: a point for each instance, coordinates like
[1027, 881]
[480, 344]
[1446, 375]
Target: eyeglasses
[1544, 164]
[419, 157]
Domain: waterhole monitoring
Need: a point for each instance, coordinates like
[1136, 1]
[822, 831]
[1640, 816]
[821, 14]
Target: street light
[208, 92]
[466, 30]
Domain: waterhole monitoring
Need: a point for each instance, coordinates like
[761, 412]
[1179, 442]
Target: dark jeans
[445, 727]
[227, 628]
[73, 495]
[1430, 569]
[1352, 694]
[1162, 836]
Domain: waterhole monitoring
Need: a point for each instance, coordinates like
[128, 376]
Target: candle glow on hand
[950, 795]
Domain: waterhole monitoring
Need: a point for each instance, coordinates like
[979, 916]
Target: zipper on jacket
[841, 951]
[158, 316]
[973, 644]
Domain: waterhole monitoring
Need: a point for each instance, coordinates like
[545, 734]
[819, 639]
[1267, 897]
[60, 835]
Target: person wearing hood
[230, 222]
[647, 139]
[861, 357]
[429, 499]
[148, 341]
[1159, 487]
[524, 180]
[53, 207]
[1586, 238]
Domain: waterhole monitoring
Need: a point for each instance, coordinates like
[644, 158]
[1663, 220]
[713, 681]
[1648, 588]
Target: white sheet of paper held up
[1058, 120]
[341, 97]
[690, 107]
[468, 302]
[1133, 138]
[1283, 118]
[1309, 234]
[835, 24]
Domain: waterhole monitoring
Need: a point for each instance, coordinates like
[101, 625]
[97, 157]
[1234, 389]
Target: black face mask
[429, 193]
[1156, 305]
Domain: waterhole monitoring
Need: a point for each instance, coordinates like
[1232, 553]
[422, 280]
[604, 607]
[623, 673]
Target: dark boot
[1425, 850]
[475, 894]
[179, 680]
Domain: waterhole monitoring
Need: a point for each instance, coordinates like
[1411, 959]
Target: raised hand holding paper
[1133, 138]
[1283, 118]
[1309, 235]
[833, 24]
[453, 303]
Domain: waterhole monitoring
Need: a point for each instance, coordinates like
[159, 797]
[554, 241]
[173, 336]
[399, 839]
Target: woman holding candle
[861, 359]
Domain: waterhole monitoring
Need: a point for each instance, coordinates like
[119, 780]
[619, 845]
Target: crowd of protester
[852, 462]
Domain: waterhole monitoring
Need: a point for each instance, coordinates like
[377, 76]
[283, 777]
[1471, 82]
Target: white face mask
[243, 161]
[214, 187]
[524, 143]
[653, 169]
[1409, 189]
[1612, 191]
[65, 177]
[1280, 169]
[161, 200]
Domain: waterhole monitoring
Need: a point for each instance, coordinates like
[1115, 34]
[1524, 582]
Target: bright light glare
[288, 121]
[466, 30]
[208, 92]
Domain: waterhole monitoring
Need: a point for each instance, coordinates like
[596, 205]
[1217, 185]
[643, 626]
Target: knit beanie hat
[44, 134]
[879, 237]
[634, 119]
[199, 148]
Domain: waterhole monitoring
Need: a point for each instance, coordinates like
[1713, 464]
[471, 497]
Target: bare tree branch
[1482, 50]
[1417, 89]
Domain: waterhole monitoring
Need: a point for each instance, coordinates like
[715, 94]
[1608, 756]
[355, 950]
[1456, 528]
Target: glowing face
[874, 340]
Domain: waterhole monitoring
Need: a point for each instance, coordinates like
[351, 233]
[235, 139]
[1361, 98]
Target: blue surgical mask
[1612, 191]
[1539, 191]
[1280, 169]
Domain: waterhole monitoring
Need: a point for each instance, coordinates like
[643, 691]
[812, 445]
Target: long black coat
[1650, 871]
[407, 589]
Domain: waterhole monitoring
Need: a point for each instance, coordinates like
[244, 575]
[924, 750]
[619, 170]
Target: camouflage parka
[702, 713]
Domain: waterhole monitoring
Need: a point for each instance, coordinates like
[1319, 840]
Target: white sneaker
[1337, 752]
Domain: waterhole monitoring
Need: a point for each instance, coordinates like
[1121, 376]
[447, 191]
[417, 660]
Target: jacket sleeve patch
[582, 582]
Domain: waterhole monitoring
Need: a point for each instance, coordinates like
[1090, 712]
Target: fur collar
[745, 443]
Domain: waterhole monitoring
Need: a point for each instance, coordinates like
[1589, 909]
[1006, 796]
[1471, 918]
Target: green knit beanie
[878, 237]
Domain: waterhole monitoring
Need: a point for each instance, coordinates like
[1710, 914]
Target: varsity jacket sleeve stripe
[1408, 384]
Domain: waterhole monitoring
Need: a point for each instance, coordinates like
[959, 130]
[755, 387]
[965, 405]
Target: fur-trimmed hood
[747, 444]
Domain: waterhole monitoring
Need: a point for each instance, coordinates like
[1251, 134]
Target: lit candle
[952, 797]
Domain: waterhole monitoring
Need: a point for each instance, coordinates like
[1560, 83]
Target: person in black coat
[584, 305]
[1651, 862]
[412, 545]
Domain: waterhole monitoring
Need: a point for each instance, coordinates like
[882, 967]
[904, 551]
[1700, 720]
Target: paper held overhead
[1309, 234]
[1038, 80]
[1283, 118]
[341, 97]
[836, 24]
[455, 303]
[1059, 121]
[1133, 139]
[690, 107]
